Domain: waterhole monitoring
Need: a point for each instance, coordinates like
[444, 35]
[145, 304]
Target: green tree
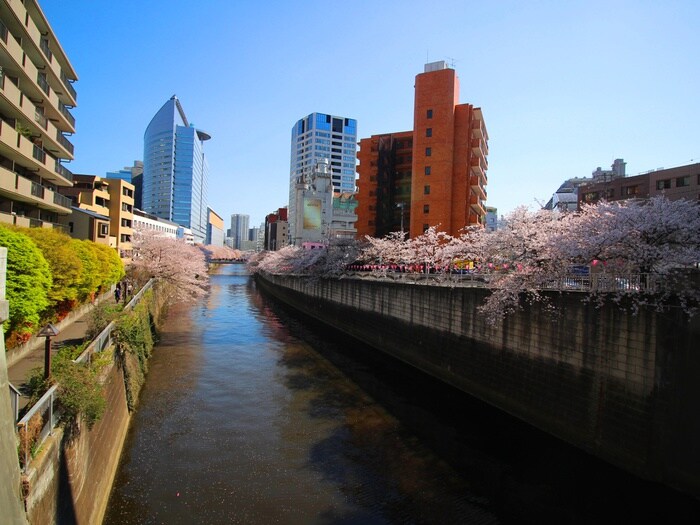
[111, 268]
[89, 278]
[65, 264]
[28, 280]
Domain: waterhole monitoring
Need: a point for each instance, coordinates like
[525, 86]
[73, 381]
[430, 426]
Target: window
[426, 189]
[428, 152]
[681, 182]
[426, 208]
[103, 230]
[429, 132]
[427, 170]
[663, 184]
[630, 191]
[425, 227]
[429, 113]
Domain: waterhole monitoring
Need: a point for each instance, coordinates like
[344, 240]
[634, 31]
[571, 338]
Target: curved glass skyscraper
[175, 170]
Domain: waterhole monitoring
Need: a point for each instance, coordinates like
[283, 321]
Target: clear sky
[565, 86]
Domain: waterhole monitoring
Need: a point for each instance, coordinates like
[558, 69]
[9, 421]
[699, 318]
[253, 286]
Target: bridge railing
[40, 420]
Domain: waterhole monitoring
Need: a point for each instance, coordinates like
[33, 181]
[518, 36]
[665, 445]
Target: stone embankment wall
[622, 387]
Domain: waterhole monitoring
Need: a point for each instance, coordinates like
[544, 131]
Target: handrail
[46, 404]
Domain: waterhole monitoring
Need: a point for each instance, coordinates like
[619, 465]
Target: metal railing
[63, 171]
[594, 282]
[64, 141]
[69, 85]
[47, 408]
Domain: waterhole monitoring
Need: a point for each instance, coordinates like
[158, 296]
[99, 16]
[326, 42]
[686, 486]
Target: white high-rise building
[321, 136]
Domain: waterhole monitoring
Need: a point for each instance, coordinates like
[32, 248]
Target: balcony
[44, 45]
[64, 111]
[62, 200]
[69, 86]
[39, 154]
[63, 171]
[63, 141]
[3, 32]
[43, 83]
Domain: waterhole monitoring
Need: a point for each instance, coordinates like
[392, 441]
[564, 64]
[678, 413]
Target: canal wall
[622, 387]
[70, 479]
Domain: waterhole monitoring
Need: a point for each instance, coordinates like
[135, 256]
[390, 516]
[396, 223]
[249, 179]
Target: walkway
[71, 334]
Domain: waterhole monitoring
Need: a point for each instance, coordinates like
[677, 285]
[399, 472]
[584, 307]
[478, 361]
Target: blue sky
[565, 86]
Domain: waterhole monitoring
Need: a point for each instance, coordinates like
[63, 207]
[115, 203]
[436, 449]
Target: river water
[253, 415]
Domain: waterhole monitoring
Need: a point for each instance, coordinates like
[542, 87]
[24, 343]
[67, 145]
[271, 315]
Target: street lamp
[48, 331]
[401, 205]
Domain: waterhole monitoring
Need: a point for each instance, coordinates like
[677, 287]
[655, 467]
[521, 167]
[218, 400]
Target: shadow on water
[494, 468]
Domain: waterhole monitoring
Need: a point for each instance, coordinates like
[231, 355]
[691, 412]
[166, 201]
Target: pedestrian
[117, 292]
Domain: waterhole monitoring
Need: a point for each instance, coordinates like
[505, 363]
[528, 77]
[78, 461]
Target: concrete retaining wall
[70, 480]
[619, 386]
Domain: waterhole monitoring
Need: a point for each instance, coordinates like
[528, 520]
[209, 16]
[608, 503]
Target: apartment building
[36, 95]
[681, 182]
[113, 198]
[448, 150]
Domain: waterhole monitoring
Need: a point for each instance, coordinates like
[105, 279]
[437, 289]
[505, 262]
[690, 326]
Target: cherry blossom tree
[174, 262]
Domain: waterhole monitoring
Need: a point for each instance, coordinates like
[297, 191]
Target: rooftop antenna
[451, 61]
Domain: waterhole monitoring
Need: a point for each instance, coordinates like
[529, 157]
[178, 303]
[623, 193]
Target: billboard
[312, 213]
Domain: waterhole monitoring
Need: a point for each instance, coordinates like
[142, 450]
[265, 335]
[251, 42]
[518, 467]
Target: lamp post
[401, 205]
[48, 331]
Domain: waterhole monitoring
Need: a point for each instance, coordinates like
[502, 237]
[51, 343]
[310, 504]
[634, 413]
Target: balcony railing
[44, 44]
[37, 190]
[3, 32]
[64, 110]
[39, 154]
[62, 200]
[64, 142]
[69, 86]
[43, 83]
[63, 171]
[40, 119]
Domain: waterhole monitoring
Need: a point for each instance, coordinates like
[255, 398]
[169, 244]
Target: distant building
[566, 198]
[447, 151]
[175, 170]
[215, 229]
[36, 83]
[322, 136]
[147, 221]
[682, 182]
[492, 222]
[134, 175]
[313, 205]
[276, 230]
[239, 229]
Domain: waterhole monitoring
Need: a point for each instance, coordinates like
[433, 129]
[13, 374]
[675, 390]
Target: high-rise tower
[447, 152]
[321, 136]
[175, 170]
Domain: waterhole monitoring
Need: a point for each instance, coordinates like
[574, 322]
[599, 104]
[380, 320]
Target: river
[253, 415]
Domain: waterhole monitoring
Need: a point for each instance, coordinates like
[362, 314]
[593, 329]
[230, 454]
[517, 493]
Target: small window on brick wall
[429, 132]
[426, 189]
[428, 152]
[427, 170]
[429, 113]
[426, 208]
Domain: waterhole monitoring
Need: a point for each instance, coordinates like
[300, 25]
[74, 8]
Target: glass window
[429, 132]
[430, 113]
[428, 152]
[427, 170]
[682, 182]
[426, 189]
[426, 208]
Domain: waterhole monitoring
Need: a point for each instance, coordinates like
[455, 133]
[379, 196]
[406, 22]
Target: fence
[46, 412]
[595, 282]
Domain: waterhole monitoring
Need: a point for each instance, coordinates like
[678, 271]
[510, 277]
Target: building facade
[215, 229]
[134, 175]
[448, 155]
[175, 170]
[148, 221]
[276, 230]
[322, 136]
[239, 229]
[113, 198]
[36, 95]
[682, 182]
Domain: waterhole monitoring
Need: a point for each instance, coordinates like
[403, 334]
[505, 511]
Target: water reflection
[252, 415]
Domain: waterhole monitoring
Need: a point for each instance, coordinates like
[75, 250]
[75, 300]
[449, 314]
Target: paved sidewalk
[71, 334]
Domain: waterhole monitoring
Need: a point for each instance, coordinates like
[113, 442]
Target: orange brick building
[447, 151]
